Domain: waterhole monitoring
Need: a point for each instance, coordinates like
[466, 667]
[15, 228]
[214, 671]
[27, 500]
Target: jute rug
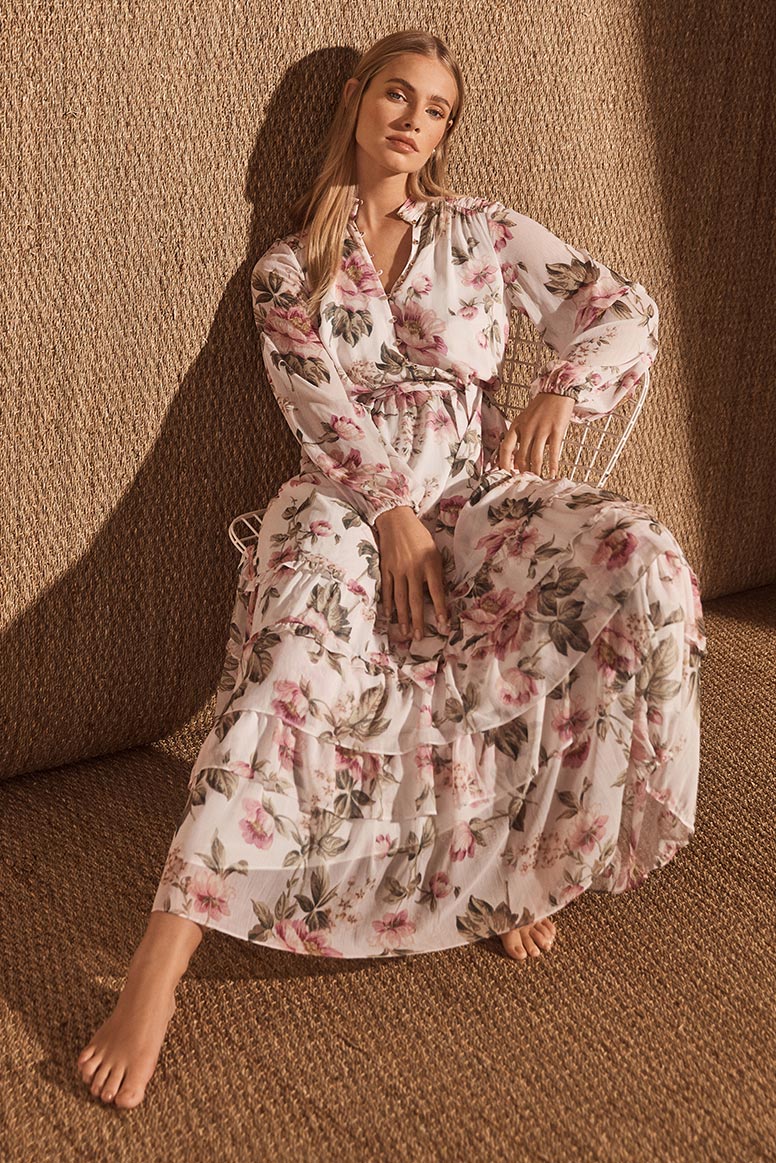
[646, 1033]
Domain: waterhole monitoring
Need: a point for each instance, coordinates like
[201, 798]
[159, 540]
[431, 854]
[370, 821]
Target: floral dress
[365, 794]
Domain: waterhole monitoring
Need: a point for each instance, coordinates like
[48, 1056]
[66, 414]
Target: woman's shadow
[129, 643]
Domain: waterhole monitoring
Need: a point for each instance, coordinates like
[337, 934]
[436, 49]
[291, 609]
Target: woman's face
[413, 97]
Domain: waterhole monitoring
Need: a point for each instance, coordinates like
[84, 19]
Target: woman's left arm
[603, 327]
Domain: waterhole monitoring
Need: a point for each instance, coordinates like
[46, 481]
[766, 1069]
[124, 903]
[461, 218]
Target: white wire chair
[525, 356]
[585, 442]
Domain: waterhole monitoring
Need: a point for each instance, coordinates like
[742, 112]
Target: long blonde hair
[325, 207]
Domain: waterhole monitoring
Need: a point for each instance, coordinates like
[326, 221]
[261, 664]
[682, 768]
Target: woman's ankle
[168, 944]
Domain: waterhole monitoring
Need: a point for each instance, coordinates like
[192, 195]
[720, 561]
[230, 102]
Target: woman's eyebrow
[407, 85]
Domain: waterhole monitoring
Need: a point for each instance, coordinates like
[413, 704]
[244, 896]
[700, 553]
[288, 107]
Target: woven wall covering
[151, 151]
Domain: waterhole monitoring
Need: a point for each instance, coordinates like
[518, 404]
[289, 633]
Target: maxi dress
[365, 794]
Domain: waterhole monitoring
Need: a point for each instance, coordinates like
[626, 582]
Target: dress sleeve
[603, 326]
[337, 432]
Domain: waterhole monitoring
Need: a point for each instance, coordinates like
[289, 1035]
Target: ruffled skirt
[364, 795]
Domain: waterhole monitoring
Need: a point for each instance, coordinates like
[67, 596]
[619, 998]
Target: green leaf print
[517, 807]
[260, 661]
[509, 738]
[366, 721]
[220, 779]
[568, 630]
[224, 724]
[308, 367]
[268, 289]
[391, 361]
[324, 599]
[214, 860]
[266, 922]
[481, 919]
[652, 680]
[347, 324]
[457, 710]
[353, 798]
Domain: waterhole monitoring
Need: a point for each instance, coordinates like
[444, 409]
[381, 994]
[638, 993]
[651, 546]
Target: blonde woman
[457, 692]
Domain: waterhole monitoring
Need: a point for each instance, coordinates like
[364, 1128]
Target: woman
[457, 694]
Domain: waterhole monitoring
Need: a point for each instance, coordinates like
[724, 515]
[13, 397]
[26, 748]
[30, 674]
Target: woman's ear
[349, 88]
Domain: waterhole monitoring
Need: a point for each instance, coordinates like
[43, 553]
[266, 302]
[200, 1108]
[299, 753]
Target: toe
[90, 1068]
[545, 934]
[530, 945]
[100, 1076]
[129, 1096]
[112, 1084]
[513, 946]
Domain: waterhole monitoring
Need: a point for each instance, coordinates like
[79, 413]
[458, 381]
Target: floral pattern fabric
[364, 794]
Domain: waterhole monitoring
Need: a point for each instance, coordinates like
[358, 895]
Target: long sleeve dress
[365, 794]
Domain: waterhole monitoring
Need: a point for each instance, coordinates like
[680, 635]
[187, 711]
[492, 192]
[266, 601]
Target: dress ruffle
[283, 836]
[372, 691]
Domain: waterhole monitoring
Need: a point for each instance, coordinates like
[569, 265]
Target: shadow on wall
[709, 86]
[152, 596]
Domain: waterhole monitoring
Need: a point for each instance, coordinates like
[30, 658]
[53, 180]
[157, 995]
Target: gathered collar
[410, 210]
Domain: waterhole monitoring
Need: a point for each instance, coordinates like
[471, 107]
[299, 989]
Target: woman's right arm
[337, 433]
[340, 436]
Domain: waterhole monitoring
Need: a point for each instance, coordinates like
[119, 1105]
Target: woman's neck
[381, 198]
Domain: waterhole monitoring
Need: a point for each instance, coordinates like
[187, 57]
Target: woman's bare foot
[525, 941]
[121, 1057]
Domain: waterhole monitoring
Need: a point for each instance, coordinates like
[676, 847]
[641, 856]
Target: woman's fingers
[506, 449]
[436, 589]
[387, 593]
[522, 459]
[537, 453]
[402, 604]
[556, 440]
[417, 603]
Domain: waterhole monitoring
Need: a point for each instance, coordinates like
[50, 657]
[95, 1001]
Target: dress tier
[364, 794]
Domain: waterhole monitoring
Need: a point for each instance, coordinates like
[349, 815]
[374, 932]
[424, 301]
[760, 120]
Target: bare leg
[525, 941]
[121, 1057]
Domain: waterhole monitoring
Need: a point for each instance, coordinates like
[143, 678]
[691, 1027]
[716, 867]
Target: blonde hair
[325, 208]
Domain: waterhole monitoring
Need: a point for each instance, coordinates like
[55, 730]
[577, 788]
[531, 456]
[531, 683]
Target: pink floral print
[362, 794]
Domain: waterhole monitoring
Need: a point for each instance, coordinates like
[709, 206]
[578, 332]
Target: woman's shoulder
[492, 215]
[469, 205]
[281, 255]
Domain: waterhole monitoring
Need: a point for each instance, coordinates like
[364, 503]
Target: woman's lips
[404, 146]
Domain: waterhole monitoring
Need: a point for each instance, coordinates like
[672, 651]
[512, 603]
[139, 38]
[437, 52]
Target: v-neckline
[410, 211]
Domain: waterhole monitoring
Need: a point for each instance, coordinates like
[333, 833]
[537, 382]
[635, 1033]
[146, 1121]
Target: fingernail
[405, 628]
[418, 635]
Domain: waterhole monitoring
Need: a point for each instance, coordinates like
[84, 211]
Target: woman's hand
[408, 558]
[542, 423]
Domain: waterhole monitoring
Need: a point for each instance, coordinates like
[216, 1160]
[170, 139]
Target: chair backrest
[590, 448]
[583, 444]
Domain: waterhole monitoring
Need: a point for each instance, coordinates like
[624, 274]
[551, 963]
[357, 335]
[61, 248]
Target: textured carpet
[151, 153]
[645, 1034]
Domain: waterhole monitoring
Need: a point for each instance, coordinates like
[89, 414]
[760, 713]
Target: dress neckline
[411, 211]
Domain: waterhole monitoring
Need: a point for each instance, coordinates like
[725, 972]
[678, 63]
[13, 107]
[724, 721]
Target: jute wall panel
[150, 153]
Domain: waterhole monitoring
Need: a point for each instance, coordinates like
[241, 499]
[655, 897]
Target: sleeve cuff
[560, 378]
[391, 503]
